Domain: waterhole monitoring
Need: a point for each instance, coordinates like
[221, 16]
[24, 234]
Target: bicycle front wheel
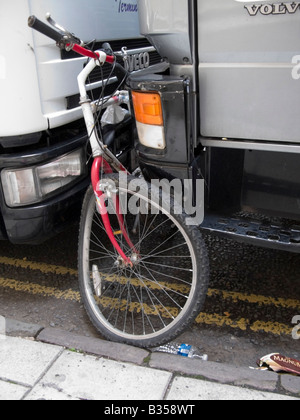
[159, 296]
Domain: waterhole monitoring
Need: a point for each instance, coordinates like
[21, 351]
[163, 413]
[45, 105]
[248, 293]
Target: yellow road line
[274, 328]
[37, 289]
[220, 321]
[43, 268]
[243, 324]
[259, 299]
[234, 296]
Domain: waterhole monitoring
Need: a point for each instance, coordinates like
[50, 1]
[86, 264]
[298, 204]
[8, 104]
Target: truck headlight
[149, 119]
[31, 185]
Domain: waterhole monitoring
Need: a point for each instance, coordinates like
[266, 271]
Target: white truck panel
[103, 20]
[249, 63]
[20, 105]
[246, 52]
[166, 23]
[33, 79]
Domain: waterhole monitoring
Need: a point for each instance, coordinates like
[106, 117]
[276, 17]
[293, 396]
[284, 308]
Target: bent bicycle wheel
[153, 300]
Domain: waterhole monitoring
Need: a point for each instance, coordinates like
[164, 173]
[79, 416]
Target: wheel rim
[149, 299]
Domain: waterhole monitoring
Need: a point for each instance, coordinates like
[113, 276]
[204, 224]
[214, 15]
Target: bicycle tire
[150, 303]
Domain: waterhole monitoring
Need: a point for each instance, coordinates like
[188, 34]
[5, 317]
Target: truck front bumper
[35, 222]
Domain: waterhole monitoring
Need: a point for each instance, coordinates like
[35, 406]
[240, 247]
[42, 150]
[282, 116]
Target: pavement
[39, 363]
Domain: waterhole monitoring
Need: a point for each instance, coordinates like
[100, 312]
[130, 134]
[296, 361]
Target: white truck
[231, 103]
[42, 138]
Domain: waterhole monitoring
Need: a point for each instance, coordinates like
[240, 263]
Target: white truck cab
[32, 65]
[42, 137]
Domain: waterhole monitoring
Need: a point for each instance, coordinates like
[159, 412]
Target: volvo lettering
[273, 9]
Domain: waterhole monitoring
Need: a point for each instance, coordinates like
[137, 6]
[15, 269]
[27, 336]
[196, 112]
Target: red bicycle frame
[101, 165]
[83, 51]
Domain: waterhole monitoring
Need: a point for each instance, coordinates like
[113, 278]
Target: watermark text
[136, 196]
[296, 329]
[296, 67]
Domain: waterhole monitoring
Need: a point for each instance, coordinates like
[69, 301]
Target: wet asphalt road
[253, 297]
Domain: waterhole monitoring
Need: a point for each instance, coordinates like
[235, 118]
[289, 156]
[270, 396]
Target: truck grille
[105, 72]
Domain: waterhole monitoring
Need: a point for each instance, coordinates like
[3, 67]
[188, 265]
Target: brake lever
[69, 36]
[55, 24]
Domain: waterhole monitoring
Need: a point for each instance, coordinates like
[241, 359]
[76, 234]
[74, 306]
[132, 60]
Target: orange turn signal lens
[148, 108]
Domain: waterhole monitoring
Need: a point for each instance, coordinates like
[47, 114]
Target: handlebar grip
[35, 23]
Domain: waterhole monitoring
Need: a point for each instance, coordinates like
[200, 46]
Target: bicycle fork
[101, 191]
[98, 150]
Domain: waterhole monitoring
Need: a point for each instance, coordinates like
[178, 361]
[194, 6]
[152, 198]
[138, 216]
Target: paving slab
[12, 392]
[198, 390]
[79, 376]
[291, 383]
[24, 361]
[42, 392]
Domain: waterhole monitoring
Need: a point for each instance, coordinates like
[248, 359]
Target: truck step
[276, 233]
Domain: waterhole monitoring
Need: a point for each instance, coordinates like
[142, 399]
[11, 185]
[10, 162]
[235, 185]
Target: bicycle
[143, 272]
